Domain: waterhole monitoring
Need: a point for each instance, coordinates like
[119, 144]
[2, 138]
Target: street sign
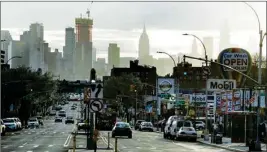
[98, 92]
[221, 84]
[206, 70]
[96, 105]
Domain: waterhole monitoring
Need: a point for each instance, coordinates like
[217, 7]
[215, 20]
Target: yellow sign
[192, 112]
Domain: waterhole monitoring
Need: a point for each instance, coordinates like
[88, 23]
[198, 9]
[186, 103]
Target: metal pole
[116, 145]
[108, 140]
[135, 111]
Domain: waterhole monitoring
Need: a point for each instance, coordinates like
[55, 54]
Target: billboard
[220, 84]
[165, 91]
[238, 59]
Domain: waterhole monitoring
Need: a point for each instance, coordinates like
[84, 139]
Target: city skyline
[164, 39]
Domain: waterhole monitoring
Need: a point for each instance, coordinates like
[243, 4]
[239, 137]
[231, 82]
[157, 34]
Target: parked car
[10, 124]
[58, 119]
[19, 125]
[69, 119]
[122, 129]
[200, 125]
[176, 125]
[3, 128]
[137, 124]
[146, 126]
[188, 133]
[82, 125]
[40, 120]
[33, 122]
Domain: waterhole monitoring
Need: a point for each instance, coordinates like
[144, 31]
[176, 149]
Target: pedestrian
[95, 138]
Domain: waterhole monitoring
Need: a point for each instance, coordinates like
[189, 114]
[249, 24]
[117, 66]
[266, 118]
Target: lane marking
[21, 146]
[35, 146]
[5, 147]
[67, 141]
[24, 144]
[29, 151]
[50, 145]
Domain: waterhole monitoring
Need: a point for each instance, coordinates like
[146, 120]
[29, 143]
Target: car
[19, 125]
[200, 125]
[3, 128]
[62, 113]
[58, 119]
[187, 133]
[69, 119]
[82, 125]
[33, 122]
[137, 124]
[146, 126]
[58, 107]
[40, 120]
[122, 129]
[10, 124]
[52, 112]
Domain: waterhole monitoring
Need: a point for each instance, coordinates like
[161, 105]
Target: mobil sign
[221, 84]
[197, 98]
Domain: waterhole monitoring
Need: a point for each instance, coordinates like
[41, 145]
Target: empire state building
[143, 49]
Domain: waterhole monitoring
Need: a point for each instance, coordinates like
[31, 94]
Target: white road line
[50, 145]
[21, 146]
[29, 151]
[24, 144]
[35, 146]
[66, 144]
[5, 146]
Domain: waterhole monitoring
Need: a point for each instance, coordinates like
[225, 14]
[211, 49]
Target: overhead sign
[98, 91]
[238, 59]
[165, 86]
[96, 105]
[221, 84]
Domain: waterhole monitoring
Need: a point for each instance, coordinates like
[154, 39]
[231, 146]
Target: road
[154, 142]
[52, 137]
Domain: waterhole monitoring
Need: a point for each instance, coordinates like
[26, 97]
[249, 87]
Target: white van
[177, 124]
[166, 133]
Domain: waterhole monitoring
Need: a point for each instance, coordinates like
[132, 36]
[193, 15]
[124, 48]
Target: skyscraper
[209, 44]
[68, 52]
[83, 51]
[143, 49]
[224, 37]
[113, 55]
[5, 35]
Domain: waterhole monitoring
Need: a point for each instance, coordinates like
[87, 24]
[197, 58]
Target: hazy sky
[122, 22]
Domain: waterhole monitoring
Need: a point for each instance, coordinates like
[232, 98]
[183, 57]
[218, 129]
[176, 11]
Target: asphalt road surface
[154, 142]
[52, 137]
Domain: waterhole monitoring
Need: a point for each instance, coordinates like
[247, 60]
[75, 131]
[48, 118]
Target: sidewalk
[81, 145]
[228, 145]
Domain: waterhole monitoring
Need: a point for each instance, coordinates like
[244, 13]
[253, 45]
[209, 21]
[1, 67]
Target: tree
[256, 58]
[121, 90]
[26, 90]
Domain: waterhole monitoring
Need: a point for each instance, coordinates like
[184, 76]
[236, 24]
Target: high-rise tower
[84, 47]
[143, 49]
[84, 28]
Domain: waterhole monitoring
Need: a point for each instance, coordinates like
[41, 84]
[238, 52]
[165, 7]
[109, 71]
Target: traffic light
[2, 57]
[132, 87]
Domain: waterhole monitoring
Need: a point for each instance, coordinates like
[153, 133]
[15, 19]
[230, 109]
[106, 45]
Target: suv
[137, 124]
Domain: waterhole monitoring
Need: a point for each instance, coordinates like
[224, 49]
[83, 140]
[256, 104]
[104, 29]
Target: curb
[219, 146]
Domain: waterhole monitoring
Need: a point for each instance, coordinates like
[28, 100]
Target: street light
[175, 65]
[14, 57]
[262, 36]
[206, 91]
